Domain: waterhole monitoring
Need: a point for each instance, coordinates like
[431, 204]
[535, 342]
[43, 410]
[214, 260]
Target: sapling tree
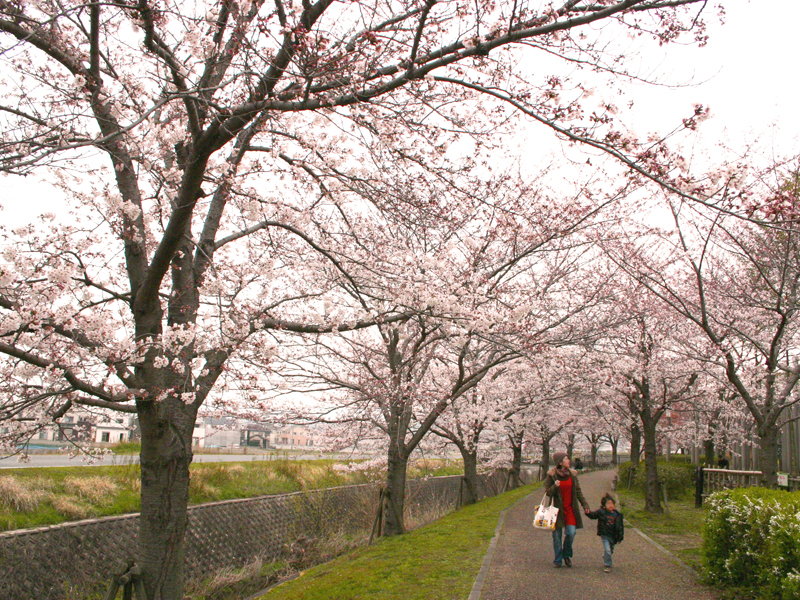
[209, 148]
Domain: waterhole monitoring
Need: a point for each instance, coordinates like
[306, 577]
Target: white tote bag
[546, 514]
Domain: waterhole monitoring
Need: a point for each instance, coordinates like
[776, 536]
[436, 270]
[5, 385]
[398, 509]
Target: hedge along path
[522, 566]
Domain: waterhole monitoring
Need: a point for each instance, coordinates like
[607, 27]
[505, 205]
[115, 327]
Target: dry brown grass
[234, 584]
[69, 507]
[199, 484]
[93, 489]
[228, 577]
[311, 474]
[20, 495]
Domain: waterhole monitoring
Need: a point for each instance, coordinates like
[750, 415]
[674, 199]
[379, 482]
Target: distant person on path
[610, 528]
[578, 464]
[561, 484]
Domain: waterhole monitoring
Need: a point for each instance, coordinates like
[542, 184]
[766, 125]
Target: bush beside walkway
[752, 542]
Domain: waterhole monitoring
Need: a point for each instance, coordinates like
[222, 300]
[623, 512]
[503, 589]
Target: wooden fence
[715, 480]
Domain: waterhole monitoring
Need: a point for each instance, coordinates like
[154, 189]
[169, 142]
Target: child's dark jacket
[609, 524]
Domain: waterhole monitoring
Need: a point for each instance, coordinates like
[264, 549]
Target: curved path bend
[519, 565]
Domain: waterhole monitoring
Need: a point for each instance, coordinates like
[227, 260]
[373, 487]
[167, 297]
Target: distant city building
[85, 426]
[291, 437]
[112, 431]
[231, 433]
[209, 432]
[256, 435]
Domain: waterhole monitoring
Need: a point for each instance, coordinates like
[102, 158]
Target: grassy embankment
[34, 497]
[680, 530]
[440, 561]
[436, 562]
[405, 567]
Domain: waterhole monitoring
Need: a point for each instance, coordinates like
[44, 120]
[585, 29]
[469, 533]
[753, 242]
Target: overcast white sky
[745, 74]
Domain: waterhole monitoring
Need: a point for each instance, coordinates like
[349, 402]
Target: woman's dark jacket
[609, 524]
[578, 501]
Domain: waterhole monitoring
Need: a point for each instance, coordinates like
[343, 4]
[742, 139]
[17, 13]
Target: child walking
[610, 527]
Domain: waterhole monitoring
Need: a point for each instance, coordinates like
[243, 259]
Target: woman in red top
[561, 484]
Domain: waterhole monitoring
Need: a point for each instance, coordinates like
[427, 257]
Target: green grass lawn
[680, 531]
[437, 562]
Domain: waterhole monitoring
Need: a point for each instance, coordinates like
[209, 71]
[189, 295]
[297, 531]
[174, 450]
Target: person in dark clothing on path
[561, 484]
[610, 528]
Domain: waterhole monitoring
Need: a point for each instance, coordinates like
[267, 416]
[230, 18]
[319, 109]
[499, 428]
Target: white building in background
[84, 426]
[290, 437]
[112, 431]
[233, 433]
[216, 433]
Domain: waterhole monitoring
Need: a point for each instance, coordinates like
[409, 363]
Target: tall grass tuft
[96, 490]
[20, 496]
[70, 508]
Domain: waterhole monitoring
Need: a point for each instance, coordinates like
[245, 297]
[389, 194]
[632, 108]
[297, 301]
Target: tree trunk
[545, 459]
[652, 496]
[570, 445]
[614, 451]
[594, 454]
[396, 490]
[768, 454]
[708, 447]
[516, 467]
[166, 454]
[470, 489]
[636, 444]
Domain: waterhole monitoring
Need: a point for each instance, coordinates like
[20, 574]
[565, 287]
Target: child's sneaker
[607, 569]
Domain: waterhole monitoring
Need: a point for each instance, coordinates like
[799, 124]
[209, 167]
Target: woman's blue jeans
[562, 544]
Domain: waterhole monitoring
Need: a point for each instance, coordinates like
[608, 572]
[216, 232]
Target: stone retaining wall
[66, 561]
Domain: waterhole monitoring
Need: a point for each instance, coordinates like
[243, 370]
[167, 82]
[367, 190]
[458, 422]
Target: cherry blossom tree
[400, 380]
[534, 405]
[211, 148]
[717, 422]
[464, 423]
[736, 282]
[648, 368]
[551, 412]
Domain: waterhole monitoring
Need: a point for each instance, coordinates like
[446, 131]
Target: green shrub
[752, 542]
[677, 475]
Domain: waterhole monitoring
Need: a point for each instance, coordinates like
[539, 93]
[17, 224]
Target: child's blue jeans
[608, 549]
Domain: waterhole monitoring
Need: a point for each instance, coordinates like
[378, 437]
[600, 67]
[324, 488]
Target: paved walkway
[519, 564]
